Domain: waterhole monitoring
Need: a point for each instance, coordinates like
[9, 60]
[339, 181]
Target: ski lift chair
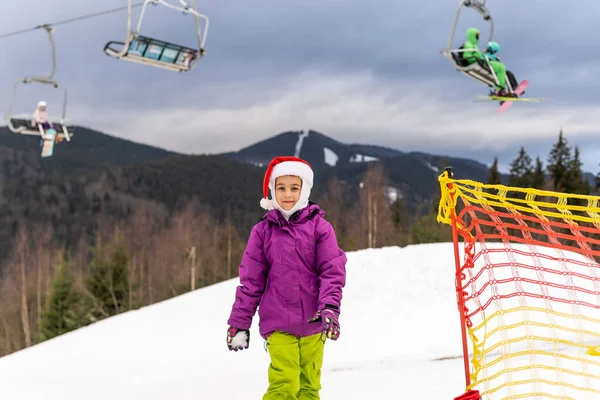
[158, 53]
[145, 50]
[480, 70]
[22, 123]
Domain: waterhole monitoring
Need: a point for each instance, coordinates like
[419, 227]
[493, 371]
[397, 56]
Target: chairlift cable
[67, 21]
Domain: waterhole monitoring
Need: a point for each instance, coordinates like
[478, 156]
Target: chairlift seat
[146, 50]
[479, 70]
[23, 125]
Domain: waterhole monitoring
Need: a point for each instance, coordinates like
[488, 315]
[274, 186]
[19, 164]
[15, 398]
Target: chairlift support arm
[199, 33]
[128, 36]
[186, 9]
[477, 5]
[47, 79]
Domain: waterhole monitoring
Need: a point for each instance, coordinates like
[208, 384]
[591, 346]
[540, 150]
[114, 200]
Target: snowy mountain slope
[176, 349]
[413, 174]
[316, 148]
[399, 315]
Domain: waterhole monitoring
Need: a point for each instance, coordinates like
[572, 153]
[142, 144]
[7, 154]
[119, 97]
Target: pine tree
[574, 179]
[64, 311]
[538, 178]
[597, 182]
[494, 176]
[426, 229]
[558, 163]
[108, 282]
[435, 203]
[521, 170]
[566, 175]
[400, 220]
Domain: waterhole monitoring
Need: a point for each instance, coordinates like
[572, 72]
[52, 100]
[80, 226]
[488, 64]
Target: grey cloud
[272, 39]
[255, 47]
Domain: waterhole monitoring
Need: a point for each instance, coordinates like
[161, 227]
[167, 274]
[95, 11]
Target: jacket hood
[472, 35]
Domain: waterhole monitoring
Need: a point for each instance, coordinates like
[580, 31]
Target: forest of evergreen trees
[544, 218]
[562, 173]
[47, 290]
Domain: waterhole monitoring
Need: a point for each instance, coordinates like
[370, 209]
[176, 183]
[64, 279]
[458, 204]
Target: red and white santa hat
[286, 165]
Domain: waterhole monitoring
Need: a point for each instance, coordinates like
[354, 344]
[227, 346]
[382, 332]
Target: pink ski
[518, 91]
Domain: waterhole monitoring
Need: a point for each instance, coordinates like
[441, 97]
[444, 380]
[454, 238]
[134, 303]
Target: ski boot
[502, 93]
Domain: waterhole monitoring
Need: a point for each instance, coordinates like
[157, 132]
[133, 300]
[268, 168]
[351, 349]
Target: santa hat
[281, 166]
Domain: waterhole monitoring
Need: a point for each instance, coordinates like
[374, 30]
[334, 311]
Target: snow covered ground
[399, 315]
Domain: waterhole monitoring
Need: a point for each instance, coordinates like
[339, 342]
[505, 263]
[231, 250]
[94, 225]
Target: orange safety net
[528, 287]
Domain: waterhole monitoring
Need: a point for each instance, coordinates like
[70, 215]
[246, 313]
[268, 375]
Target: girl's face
[287, 191]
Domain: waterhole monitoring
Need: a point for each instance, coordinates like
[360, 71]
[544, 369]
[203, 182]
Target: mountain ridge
[99, 176]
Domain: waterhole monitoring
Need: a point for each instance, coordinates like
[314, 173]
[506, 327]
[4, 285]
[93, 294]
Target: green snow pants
[500, 71]
[295, 369]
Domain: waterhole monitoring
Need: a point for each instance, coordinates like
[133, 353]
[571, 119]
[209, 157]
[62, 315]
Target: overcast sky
[358, 71]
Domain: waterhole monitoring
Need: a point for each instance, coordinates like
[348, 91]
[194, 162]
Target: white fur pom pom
[266, 204]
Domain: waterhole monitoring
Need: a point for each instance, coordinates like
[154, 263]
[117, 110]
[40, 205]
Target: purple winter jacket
[291, 269]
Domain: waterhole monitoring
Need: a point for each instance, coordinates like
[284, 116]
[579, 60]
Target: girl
[40, 116]
[295, 270]
[492, 54]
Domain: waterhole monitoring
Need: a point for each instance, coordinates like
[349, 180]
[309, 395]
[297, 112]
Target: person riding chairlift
[40, 116]
[472, 54]
[491, 53]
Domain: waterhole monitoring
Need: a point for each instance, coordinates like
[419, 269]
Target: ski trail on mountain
[301, 136]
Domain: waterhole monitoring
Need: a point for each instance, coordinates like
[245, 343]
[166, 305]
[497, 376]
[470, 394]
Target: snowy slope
[176, 349]
[399, 315]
